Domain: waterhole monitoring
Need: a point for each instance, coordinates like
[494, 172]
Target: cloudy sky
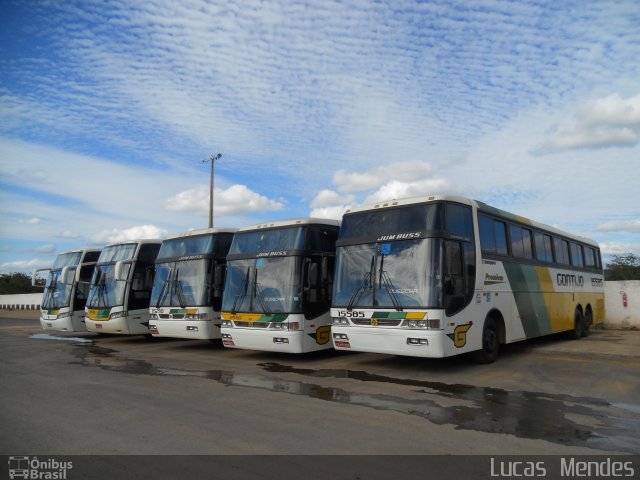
[107, 109]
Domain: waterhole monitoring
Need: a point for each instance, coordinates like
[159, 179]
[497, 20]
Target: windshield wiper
[102, 288]
[164, 291]
[179, 291]
[388, 285]
[366, 279]
[243, 288]
[51, 289]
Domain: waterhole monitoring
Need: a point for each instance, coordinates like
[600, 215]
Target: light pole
[212, 160]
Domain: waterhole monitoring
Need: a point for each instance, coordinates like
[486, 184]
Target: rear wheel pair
[581, 324]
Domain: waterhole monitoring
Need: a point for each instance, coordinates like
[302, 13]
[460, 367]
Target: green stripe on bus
[529, 300]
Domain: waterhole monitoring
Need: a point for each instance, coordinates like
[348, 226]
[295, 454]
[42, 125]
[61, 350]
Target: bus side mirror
[34, 278]
[119, 272]
[68, 275]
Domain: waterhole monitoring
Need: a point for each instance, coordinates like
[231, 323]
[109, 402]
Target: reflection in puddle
[46, 336]
[561, 419]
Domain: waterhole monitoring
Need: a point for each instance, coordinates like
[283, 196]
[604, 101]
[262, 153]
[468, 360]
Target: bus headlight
[118, 315]
[340, 321]
[63, 315]
[153, 316]
[196, 316]
[227, 323]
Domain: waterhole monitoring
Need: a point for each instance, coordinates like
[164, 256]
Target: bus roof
[139, 241]
[201, 231]
[84, 250]
[482, 207]
[290, 222]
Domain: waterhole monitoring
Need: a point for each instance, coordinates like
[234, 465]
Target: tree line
[621, 267]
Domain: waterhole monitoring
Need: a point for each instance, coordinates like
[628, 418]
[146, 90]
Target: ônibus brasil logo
[32, 468]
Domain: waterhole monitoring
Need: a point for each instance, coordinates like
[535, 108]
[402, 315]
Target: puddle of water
[531, 415]
[46, 336]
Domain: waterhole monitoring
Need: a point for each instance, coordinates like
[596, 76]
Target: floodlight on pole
[211, 159]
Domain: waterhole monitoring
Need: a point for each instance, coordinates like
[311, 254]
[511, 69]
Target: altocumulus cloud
[236, 199]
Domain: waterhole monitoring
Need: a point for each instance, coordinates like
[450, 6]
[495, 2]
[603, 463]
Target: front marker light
[434, 324]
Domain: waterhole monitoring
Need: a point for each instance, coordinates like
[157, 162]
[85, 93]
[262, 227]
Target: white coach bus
[189, 280]
[277, 293]
[439, 276]
[121, 288]
[66, 289]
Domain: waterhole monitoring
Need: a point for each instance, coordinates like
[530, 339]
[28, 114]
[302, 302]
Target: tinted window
[148, 253]
[544, 252]
[589, 257]
[493, 237]
[321, 239]
[223, 243]
[390, 221]
[459, 220]
[268, 240]
[561, 248]
[520, 242]
[576, 255]
[189, 245]
[500, 229]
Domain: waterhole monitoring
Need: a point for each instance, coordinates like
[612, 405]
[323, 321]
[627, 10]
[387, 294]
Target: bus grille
[381, 322]
[252, 324]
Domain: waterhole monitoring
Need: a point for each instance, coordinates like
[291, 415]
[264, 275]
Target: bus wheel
[578, 326]
[490, 343]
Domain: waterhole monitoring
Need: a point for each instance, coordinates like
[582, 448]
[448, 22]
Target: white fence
[23, 301]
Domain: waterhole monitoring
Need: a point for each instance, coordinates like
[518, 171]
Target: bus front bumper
[190, 329]
[266, 340]
[412, 343]
[128, 325]
[51, 322]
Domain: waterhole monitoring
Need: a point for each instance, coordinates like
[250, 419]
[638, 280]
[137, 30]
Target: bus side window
[487, 234]
[576, 255]
[459, 220]
[561, 248]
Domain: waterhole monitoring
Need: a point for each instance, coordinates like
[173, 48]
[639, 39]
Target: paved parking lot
[89, 394]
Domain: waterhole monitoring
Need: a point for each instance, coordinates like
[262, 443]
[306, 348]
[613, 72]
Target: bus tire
[490, 343]
[578, 326]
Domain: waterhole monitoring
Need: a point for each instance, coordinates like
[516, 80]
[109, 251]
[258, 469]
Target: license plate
[342, 344]
[228, 343]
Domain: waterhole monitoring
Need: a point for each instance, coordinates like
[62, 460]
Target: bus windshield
[105, 291]
[291, 238]
[183, 283]
[263, 285]
[56, 294]
[411, 221]
[185, 246]
[396, 275]
[67, 260]
[115, 253]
